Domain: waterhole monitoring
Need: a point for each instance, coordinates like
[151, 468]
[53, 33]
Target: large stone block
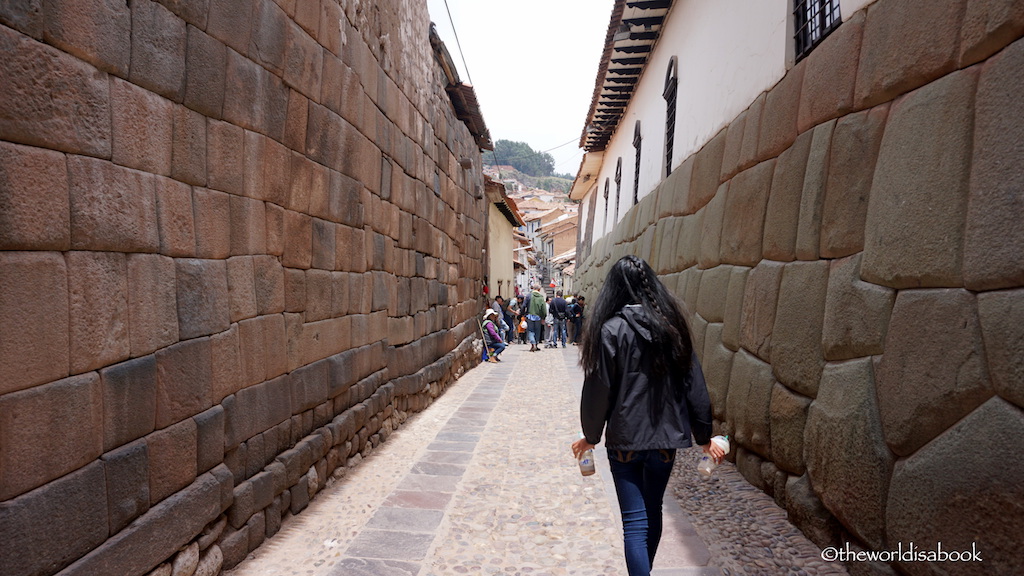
[950, 492]
[112, 208]
[324, 244]
[319, 295]
[46, 529]
[34, 305]
[158, 50]
[129, 401]
[743, 222]
[143, 128]
[157, 534]
[188, 155]
[269, 276]
[733, 146]
[225, 356]
[97, 32]
[686, 244]
[231, 22]
[256, 409]
[856, 313]
[734, 308]
[994, 239]
[152, 313]
[713, 284]
[127, 474]
[706, 230]
[751, 133]
[933, 372]
[988, 26]
[98, 286]
[847, 460]
[63, 420]
[175, 217]
[674, 191]
[202, 294]
[830, 75]
[298, 240]
[1002, 328]
[707, 170]
[248, 226]
[806, 511]
[172, 459]
[716, 361]
[225, 146]
[184, 374]
[760, 298]
[915, 223]
[812, 202]
[35, 208]
[855, 143]
[796, 338]
[212, 216]
[748, 403]
[267, 41]
[303, 60]
[781, 109]
[782, 213]
[241, 288]
[788, 417]
[906, 45]
[205, 67]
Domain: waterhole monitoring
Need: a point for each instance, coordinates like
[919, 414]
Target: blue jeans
[559, 332]
[535, 330]
[497, 347]
[640, 480]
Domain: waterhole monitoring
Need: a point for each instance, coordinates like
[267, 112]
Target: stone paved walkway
[484, 482]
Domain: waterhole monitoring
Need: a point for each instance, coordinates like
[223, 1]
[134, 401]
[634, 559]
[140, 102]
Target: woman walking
[645, 391]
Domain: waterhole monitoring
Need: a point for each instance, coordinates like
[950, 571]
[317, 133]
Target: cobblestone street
[483, 482]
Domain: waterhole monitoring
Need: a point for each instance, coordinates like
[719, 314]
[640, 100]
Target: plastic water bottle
[587, 462]
[707, 464]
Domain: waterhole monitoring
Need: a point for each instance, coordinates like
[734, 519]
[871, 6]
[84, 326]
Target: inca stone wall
[851, 251]
[237, 251]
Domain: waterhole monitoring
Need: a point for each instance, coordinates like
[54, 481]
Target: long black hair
[632, 281]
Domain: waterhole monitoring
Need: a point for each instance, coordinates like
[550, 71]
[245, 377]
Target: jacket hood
[636, 317]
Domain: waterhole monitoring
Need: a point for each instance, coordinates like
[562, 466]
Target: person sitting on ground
[493, 341]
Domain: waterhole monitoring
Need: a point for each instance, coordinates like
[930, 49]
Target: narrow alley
[483, 482]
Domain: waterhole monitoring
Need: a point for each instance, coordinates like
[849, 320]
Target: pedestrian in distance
[576, 318]
[492, 338]
[536, 309]
[560, 314]
[644, 391]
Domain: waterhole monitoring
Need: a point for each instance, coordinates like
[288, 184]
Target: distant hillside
[557, 183]
[532, 168]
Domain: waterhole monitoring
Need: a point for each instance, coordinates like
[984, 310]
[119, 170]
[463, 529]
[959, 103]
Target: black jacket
[619, 393]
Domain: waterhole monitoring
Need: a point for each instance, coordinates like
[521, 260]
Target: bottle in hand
[707, 464]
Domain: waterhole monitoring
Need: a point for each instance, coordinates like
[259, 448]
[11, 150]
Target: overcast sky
[532, 63]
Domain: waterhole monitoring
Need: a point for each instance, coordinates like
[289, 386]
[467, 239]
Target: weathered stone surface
[830, 75]
[112, 208]
[127, 475]
[812, 202]
[202, 294]
[143, 128]
[231, 23]
[751, 133]
[156, 535]
[698, 331]
[848, 462]
[733, 145]
[787, 419]
[749, 465]
[256, 409]
[748, 403]
[707, 169]
[35, 208]
[303, 60]
[796, 353]
[184, 374]
[856, 313]
[779, 119]
[1002, 328]
[209, 439]
[950, 492]
[855, 143]
[98, 285]
[44, 530]
[248, 226]
[760, 298]
[269, 275]
[710, 220]
[807, 512]
[34, 305]
[172, 459]
[186, 561]
[175, 216]
[241, 288]
[225, 146]
[716, 361]
[188, 155]
[97, 32]
[734, 308]
[226, 359]
[152, 314]
[158, 50]
[675, 190]
[26, 17]
[988, 26]
[210, 563]
[267, 41]
[906, 45]
[915, 224]
[994, 239]
[714, 284]
[743, 222]
[63, 420]
[933, 372]
[298, 237]
[205, 66]
[782, 213]
[129, 401]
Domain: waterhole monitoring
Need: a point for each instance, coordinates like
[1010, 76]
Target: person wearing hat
[494, 342]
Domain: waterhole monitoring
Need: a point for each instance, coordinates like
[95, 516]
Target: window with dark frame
[637, 141]
[813, 20]
[671, 82]
[618, 186]
[607, 186]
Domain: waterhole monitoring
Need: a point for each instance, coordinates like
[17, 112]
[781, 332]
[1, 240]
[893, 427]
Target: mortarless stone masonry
[859, 380]
[238, 251]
